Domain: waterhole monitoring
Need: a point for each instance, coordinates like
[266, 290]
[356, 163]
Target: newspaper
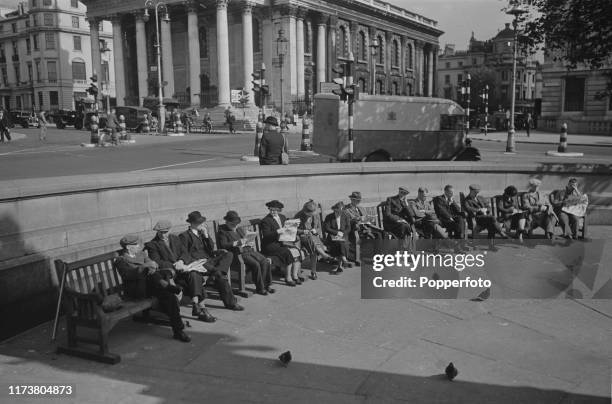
[577, 207]
[249, 239]
[197, 266]
[289, 233]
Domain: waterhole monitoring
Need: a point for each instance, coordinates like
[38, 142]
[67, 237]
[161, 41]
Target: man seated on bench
[539, 211]
[168, 251]
[398, 218]
[234, 239]
[359, 221]
[134, 264]
[477, 207]
[425, 218]
[450, 214]
[564, 201]
[200, 246]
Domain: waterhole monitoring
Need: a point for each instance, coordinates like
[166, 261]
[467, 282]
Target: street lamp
[282, 44]
[104, 49]
[374, 46]
[158, 5]
[515, 10]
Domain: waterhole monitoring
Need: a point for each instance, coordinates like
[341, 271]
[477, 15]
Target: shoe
[204, 315]
[297, 281]
[174, 289]
[181, 336]
[270, 290]
[313, 276]
[236, 307]
[301, 279]
[290, 283]
[262, 292]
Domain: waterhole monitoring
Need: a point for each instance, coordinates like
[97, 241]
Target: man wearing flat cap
[540, 213]
[359, 219]
[233, 238]
[478, 208]
[398, 217]
[135, 267]
[200, 246]
[168, 251]
[425, 218]
[273, 143]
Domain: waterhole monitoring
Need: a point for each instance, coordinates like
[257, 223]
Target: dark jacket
[473, 205]
[164, 256]
[330, 225]
[268, 227]
[131, 268]
[507, 206]
[396, 209]
[112, 122]
[197, 247]
[272, 145]
[226, 238]
[445, 211]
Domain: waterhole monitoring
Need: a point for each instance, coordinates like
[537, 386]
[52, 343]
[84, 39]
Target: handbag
[284, 155]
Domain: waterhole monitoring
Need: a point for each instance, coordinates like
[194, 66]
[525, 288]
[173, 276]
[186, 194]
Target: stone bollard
[563, 139]
[144, 126]
[258, 136]
[95, 133]
[123, 129]
[306, 145]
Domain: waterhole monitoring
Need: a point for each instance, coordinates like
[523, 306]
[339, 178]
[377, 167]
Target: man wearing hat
[450, 214]
[134, 265]
[337, 225]
[425, 218]
[540, 212]
[398, 217]
[359, 220]
[200, 246]
[476, 207]
[168, 251]
[273, 143]
[233, 238]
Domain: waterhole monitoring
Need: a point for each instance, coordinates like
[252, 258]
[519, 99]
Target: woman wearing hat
[289, 256]
[540, 213]
[359, 220]
[273, 143]
[337, 225]
[310, 239]
[233, 238]
[512, 215]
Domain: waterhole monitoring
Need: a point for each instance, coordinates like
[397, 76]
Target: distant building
[495, 54]
[574, 97]
[45, 56]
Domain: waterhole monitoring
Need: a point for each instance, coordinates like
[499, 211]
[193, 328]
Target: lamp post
[516, 10]
[282, 44]
[157, 5]
[104, 50]
[374, 47]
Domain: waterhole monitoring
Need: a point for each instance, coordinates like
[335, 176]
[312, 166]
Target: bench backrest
[85, 275]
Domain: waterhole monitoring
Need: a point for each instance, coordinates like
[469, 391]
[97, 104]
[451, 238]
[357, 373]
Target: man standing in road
[272, 143]
[4, 127]
[43, 127]
[112, 123]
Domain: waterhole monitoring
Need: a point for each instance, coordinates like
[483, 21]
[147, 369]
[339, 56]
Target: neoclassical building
[210, 47]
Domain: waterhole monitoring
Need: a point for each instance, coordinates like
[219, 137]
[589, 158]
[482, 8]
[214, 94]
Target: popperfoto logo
[448, 269]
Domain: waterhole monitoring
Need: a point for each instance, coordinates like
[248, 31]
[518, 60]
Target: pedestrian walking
[112, 123]
[528, 123]
[43, 126]
[4, 127]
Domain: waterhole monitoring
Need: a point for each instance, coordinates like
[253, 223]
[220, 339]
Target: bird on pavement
[484, 295]
[285, 358]
[451, 371]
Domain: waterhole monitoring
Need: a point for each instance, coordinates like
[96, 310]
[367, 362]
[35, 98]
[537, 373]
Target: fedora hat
[195, 217]
[232, 217]
[355, 195]
[275, 204]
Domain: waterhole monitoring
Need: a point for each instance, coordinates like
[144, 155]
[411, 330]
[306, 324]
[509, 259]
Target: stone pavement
[545, 138]
[345, 349]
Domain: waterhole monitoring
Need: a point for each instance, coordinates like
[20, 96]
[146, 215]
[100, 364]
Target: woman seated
[310, 239]
[337, 225]
[512, 216]
[289, 255]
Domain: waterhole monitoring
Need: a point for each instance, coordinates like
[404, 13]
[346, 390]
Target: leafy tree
[481, 77]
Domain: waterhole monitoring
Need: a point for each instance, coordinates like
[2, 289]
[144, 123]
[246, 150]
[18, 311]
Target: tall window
[362, 50]
[53, 99]
[105, 71]
[343, 42]
[75, 21]
[447, 79]
[362, 84]
[28, 46]
[396, 88]
[17, 73]
[34, 3]
[379, 87]
[4, 77]
[30, 73]
[78, 70]
[574, 94]
[459, 79]
[74, 3]
[77, 42]
[307, 37]
[40, 100]
[50, 40]
[395, 55]
[38, 75]
[15, 49]
[35, 41]
[409, 56]
[52, 71]
[504, 75]
[256, 36]
[2, 54]
[35, 19]
[203, 43]
[48, 20]
[381, 53]
[14, 27]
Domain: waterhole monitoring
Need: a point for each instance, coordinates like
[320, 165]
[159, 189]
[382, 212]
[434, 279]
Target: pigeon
[285, 358]
[451, 371]
[484, 295]
[187, 324]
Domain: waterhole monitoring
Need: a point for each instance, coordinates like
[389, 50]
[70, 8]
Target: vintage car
[133, 117]
[64, 117]
[24, 118]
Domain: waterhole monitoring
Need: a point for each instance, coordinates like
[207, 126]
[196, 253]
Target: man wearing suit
[477, 207]
[168, 251]
[272, 143]
[450, 214]
[337, 225]
[398, 218]
[425, 216]
[198, 246]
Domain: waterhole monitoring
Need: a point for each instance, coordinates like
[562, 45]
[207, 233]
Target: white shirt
[278, 220]
[338, 221]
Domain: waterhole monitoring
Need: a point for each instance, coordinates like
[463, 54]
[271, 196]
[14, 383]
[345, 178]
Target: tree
[480, 78]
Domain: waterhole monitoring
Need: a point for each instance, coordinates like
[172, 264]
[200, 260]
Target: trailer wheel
[379, 155]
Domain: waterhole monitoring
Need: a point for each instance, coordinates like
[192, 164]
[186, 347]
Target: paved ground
[546, 138]
[62, 154]
[345, 349]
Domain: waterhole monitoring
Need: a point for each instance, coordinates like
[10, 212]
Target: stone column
[299, 30]
[430, 71]
[96, 56]
[141, 58]
[321, 50]
[418, 68]
[332, 35]
[167, 60]
[194, 53]
[247, 49]
[118, 59]
[223, 66]
[291, 36]
[372, 60]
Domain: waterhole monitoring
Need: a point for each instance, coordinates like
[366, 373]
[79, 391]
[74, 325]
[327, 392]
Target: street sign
[325, 87]
[235, 96]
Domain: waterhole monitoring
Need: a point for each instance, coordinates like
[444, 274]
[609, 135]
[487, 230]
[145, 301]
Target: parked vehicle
[389, 128]
[64, 117]
[24, 118]
[133, 117]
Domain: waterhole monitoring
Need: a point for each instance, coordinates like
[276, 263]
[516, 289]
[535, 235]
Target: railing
[300, 105]
[209, 98]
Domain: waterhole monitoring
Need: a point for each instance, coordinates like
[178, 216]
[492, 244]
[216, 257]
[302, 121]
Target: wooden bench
[82, 307]
[372, 217]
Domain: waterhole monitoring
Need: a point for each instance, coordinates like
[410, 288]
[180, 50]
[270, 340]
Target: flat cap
[474, 187]
[404, 190]
[535, 181]
[162, 225]
[338, 205]
[130, 239]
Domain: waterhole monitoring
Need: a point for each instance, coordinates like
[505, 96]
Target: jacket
[444, 210]
[166, 256]
[396, 209]
[330, 225]
[271, 147]
[268, 227]
[197, 246]
[473, 205]
[133, 268]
